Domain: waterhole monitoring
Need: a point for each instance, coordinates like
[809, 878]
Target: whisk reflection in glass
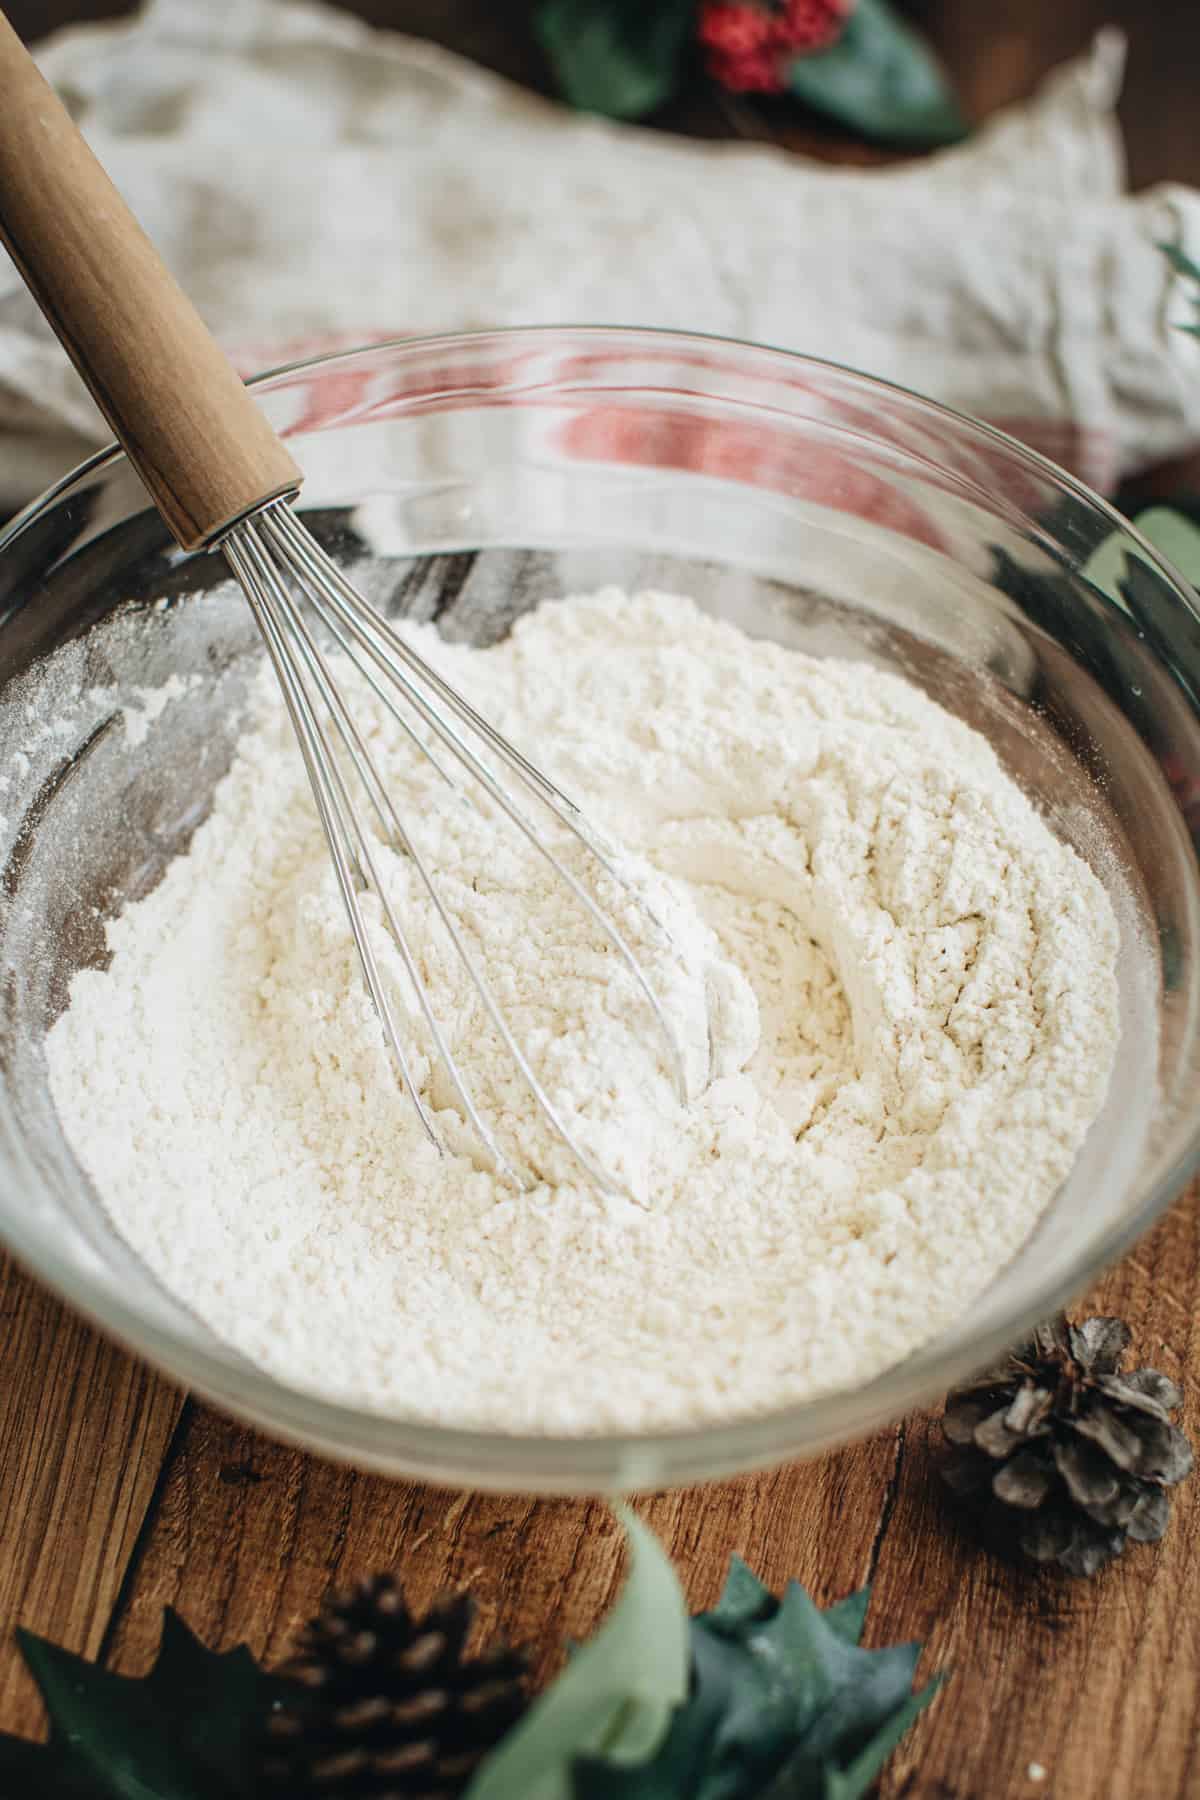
[220, 477]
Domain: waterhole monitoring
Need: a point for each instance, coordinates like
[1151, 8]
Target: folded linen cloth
[315, 182]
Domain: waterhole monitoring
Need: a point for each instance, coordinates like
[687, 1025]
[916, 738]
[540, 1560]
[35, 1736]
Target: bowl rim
[552, 1463]
[113, 451]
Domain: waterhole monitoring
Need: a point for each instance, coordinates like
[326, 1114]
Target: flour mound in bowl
[893, 987]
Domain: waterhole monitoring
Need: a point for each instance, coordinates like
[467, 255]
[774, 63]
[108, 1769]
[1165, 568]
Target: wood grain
[84, 1430]
[1098, 1683]
[116, 1497]
[249, 1535]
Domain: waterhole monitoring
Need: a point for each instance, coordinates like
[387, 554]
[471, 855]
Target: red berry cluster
[749, 44]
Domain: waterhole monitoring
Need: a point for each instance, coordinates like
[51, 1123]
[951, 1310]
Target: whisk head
[292, 585]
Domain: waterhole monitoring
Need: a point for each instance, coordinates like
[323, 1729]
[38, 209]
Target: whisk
[220, 477]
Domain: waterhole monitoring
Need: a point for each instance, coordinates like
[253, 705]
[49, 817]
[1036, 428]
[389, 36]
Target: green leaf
[182, 1732]
[880, 78]
[1167, 631]
[1110, 565]
[743, 1598]
[783, 1703]
[689, 1760]
[1179, 259]
[823, 1689]
[849, 1616]
[797, 1781]
[27, 1769]
[1184, 265]
[615, 1698]
[1106, 565]
[1176, 536]
[622, 58]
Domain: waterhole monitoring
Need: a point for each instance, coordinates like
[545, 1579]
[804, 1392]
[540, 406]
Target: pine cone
[1063, 1453]
[388, 1707]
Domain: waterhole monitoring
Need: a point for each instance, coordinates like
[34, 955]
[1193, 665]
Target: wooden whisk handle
[195, 436]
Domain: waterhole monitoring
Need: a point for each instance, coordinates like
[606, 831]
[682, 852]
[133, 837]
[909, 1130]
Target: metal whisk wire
[282, 570]
[219, 475]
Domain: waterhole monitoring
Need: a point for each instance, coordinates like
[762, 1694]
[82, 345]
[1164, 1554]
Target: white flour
[895, 989]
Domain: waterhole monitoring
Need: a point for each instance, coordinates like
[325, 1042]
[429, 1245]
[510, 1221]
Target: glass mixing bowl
[467, 478]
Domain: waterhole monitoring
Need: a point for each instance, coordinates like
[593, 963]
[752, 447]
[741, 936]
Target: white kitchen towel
[313, 181]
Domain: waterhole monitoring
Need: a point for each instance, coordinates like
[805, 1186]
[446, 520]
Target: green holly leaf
[798, 1780]
[881, 79]
[1184, 265]
[622, 58]
[849, 1616]
[182, 1732]
[27, 1769]
[616, 1697]
[783, 1704]
[744, 1598]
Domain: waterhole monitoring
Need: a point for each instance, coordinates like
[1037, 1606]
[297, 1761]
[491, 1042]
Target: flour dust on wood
[893, 987]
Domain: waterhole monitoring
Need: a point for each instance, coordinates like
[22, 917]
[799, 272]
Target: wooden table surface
[118, 1494]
